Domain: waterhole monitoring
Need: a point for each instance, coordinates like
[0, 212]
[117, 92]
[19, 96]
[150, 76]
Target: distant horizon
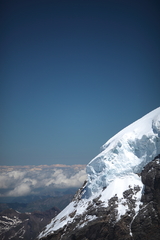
[43, 165]
[66, 165]
[60, 164]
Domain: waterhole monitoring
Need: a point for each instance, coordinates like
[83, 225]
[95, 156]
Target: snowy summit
[127, 152]
[111, 173]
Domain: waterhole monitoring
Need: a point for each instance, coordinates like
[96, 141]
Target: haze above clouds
[39, 180]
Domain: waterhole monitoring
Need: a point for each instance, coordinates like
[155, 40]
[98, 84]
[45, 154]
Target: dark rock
[146, 224]
[151, 180]
[15, 225]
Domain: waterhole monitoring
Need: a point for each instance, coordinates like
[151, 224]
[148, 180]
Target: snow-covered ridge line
[141, 125]
[126, 152]
[112, 173]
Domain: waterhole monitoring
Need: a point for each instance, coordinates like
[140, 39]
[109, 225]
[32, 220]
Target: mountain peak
[114, 187]
[126, 152]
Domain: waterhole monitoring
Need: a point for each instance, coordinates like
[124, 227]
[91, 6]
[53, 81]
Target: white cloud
[16, 174]
[32, 182]
[4, 182]
[21, 190]
[9, 179]
[60, 180]
[20, 183]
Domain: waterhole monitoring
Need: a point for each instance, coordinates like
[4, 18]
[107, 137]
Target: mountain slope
[15, 225]
[110, 201]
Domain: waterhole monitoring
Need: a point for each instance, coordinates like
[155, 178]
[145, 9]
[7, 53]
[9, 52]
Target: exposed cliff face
[151, 180]
[144, 224]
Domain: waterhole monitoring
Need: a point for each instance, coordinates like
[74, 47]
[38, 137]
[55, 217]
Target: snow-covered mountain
[127, 152]
[114, 189]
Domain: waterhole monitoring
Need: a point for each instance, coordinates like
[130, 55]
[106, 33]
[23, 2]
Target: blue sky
[73, 74]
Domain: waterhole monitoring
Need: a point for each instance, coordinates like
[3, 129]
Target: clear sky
[73, 74]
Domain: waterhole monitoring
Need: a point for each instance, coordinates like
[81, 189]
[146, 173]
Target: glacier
[126, 152]
[113, 171]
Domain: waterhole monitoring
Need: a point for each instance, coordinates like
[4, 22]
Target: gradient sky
[73, 74]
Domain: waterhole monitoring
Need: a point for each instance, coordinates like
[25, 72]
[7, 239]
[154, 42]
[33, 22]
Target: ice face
[127, 152]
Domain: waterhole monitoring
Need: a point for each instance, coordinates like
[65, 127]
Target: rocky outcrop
[105, 225]
[15, 225]
[151, 180]
[146, 224]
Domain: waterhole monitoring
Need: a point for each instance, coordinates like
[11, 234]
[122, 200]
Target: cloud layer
[22, 181]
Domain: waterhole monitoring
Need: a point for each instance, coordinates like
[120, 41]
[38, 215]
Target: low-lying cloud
[36, 180]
